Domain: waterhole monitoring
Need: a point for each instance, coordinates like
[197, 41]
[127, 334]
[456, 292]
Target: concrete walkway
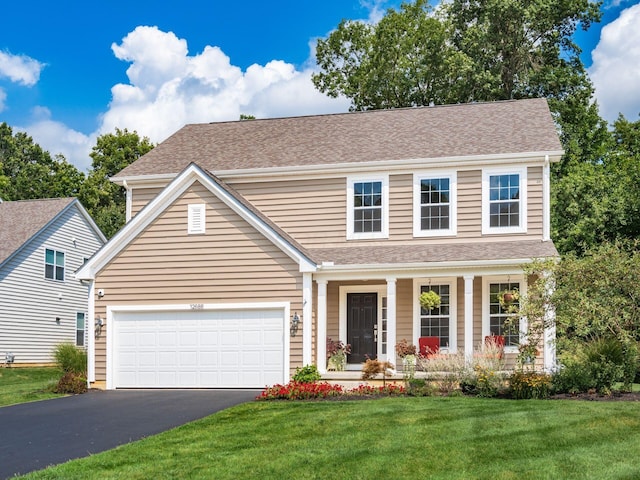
[38, 434]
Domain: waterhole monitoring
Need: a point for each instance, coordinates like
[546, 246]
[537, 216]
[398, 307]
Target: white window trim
[486, 174]
[196, 211]
[453, 309]
[351, 235]
[64, 266]
[453, 203]
[485, 306]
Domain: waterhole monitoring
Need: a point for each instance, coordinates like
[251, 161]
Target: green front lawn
[442, 438]
[20, 385]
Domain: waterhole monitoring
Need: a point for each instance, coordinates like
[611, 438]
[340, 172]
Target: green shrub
[419, 387]
[70, 359]
[71, 382]
[598, 365]
[523, 385]
[307, 374]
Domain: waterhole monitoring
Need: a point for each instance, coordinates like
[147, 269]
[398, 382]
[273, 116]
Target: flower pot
[337, 362]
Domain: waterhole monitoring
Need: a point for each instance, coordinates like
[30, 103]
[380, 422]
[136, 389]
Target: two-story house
[249, 243]
[42, 304]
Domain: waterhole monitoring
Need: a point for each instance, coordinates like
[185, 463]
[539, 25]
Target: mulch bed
[596, 397]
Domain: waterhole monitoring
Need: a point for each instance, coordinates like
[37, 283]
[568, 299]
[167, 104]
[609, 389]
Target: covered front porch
[372, 312]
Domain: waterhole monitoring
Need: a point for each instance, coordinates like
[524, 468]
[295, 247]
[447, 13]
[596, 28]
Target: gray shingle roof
[21, 220]
[425, 253]
[519, 126]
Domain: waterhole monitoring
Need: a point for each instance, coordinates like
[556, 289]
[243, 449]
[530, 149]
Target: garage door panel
[199, 349]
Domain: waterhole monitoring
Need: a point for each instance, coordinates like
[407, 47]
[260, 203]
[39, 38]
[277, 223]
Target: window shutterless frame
[435, 203]
[367, 207]
[53, 264]
[504, 200]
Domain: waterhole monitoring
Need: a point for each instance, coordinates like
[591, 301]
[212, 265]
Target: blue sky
[72, 70]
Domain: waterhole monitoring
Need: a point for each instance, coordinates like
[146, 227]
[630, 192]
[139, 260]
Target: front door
[362, 322]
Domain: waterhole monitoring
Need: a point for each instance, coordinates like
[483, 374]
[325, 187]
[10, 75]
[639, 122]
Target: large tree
[29, 172]
[106, 201]
[468, 50]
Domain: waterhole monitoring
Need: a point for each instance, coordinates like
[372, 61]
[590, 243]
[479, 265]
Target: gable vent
[196, 221]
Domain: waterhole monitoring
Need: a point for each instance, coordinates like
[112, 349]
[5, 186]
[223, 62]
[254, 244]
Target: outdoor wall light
[295, 321]
[98, 330]
[9, 358]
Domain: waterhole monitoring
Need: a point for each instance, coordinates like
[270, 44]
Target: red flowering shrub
[300, 391]
[303, 391]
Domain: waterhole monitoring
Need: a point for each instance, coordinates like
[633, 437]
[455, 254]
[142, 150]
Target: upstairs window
[367, 208]
[504, 206]
[434, 204]
[54, 265]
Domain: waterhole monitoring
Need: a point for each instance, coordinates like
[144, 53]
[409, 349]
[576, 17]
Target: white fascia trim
[115, 309]
[137, 225]
[453, 203]
[330, 170]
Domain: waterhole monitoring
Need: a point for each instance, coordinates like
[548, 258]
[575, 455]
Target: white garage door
[198, 349]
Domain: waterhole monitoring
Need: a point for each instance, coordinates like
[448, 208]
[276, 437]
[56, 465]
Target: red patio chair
[429, 346]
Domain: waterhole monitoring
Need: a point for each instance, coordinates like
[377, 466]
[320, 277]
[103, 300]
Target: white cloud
[20, 68]
[168, 88]
[615, 71]
[3, 97]
[57, 138]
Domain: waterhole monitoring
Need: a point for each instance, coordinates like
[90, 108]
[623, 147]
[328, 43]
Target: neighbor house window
[501, 320]
[504, 206]
[196, 219]
[436, 322]
[434, 204]
[54, 265]
[367, 208]
[80, 327]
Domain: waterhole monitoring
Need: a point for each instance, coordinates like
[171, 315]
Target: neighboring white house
[42, 304]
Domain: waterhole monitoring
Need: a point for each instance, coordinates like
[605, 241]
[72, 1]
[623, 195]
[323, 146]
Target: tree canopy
[29, 172]
[103, 199]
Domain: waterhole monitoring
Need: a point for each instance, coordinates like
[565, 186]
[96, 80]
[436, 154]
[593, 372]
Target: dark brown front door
[362, 320]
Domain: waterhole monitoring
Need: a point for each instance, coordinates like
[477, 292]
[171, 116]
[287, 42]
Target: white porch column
[307, 318]
[321, 359]
[468, 316]
[549, 348]
[391, 320]
[546, 200]
[91, 337]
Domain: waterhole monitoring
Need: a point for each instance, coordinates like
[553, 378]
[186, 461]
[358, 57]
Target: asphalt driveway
[38, 434]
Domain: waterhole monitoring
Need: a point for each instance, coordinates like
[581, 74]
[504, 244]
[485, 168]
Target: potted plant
[337, 354]
[407, 352]
[429, 300]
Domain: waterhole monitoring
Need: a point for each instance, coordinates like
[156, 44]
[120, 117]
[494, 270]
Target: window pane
[48, 271]
[60, 259]
[80, 321]
[49, 256]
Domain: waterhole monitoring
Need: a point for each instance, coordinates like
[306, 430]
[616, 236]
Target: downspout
[546, 200]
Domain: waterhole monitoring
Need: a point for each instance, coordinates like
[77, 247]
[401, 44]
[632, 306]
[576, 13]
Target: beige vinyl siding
[30, 304]
[469, 204]
[141, 197]
[401, 207]
[534, 199]
[311, 211]
[230, 263]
